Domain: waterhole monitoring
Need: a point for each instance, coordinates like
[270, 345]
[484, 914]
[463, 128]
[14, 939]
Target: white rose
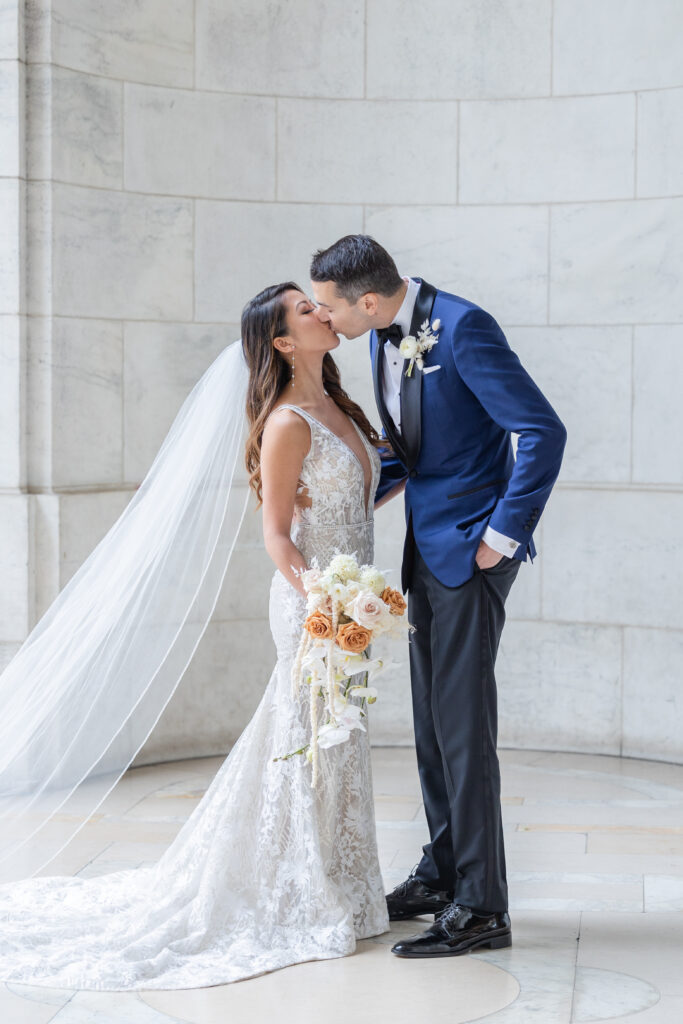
[408, 347]
[368, 609]
[311, 581]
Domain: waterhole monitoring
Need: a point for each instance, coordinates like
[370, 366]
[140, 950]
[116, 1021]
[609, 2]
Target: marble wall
[161, 160]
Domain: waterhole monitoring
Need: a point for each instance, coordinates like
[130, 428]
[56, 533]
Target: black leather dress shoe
[412, 898]
[457, 930]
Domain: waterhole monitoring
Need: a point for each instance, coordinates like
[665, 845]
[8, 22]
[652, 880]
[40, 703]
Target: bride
[267, 871]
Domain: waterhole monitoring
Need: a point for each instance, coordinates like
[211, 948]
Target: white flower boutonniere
[415, 348]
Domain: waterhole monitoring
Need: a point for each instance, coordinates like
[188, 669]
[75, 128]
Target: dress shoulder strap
[302, 412]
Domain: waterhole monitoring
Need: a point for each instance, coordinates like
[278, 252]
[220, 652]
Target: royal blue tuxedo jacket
[455, 446]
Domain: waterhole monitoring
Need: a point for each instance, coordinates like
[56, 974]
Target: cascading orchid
[349, 605]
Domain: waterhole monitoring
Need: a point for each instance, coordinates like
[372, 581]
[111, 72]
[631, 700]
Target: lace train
[266, 872]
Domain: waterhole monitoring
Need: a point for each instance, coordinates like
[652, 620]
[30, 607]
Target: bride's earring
[292, 366]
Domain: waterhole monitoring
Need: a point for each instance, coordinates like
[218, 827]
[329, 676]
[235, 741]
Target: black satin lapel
[387, 422]
[411, 414]
[424, 304]
[411, 387]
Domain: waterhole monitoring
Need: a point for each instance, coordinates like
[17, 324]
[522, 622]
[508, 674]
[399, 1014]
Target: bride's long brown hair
[264, 318]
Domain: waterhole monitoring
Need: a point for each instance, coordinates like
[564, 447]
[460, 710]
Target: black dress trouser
[452, 658]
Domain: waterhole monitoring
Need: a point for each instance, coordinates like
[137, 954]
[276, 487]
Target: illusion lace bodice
[334, 482]
[267, 871]
[334, 519]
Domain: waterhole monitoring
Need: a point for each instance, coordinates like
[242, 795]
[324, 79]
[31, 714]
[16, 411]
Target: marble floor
[595, 868]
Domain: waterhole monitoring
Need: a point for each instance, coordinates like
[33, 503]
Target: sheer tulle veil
[85, 689]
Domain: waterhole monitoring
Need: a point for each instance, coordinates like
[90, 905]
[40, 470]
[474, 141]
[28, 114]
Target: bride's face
[306, 332]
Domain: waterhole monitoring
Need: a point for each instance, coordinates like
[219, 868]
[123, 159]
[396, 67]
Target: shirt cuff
[499, 542]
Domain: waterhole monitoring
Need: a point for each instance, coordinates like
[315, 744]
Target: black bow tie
[394, 334]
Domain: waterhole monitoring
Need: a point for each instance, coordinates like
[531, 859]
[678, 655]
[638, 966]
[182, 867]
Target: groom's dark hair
[356, 264]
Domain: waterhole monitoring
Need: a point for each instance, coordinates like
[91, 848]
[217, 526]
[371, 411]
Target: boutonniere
[415, 348]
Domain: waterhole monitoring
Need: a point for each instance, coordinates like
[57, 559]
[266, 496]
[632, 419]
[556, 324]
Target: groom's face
[345, 318]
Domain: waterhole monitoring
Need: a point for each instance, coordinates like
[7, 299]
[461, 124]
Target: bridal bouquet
[348, 606]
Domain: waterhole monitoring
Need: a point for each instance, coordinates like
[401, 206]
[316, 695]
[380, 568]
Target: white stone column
[14, 504]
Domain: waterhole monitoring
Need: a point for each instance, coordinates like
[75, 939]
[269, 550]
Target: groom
[471, 510]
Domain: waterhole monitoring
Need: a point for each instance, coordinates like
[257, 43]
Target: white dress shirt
[393, 366]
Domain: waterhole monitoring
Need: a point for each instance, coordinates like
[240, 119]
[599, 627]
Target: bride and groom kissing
[471, 510]
[268, 871]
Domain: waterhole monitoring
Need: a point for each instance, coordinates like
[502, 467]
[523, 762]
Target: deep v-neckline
[366, 499]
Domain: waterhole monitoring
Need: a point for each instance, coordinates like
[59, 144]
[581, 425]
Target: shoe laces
[402, 887]
[452, 911]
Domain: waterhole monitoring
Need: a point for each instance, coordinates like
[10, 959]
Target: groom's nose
[323, 315]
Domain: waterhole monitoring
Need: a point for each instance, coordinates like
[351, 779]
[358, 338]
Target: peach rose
[354, 638]
[395, 600]
[319, 626]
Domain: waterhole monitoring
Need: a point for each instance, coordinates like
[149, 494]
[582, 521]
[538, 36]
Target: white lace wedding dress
[266, 872]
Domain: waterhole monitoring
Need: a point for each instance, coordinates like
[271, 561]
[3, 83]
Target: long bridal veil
[85, 689]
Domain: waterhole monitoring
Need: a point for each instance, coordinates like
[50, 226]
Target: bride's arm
[393, 477]
[286, 442]
[391, 494]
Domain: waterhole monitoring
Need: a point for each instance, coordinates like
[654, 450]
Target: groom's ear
[368, 303]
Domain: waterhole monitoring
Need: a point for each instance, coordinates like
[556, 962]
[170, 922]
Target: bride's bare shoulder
[286, 430]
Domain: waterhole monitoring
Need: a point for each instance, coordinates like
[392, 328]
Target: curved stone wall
[162, 160]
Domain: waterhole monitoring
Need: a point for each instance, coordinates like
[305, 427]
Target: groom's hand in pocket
[487, 557]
